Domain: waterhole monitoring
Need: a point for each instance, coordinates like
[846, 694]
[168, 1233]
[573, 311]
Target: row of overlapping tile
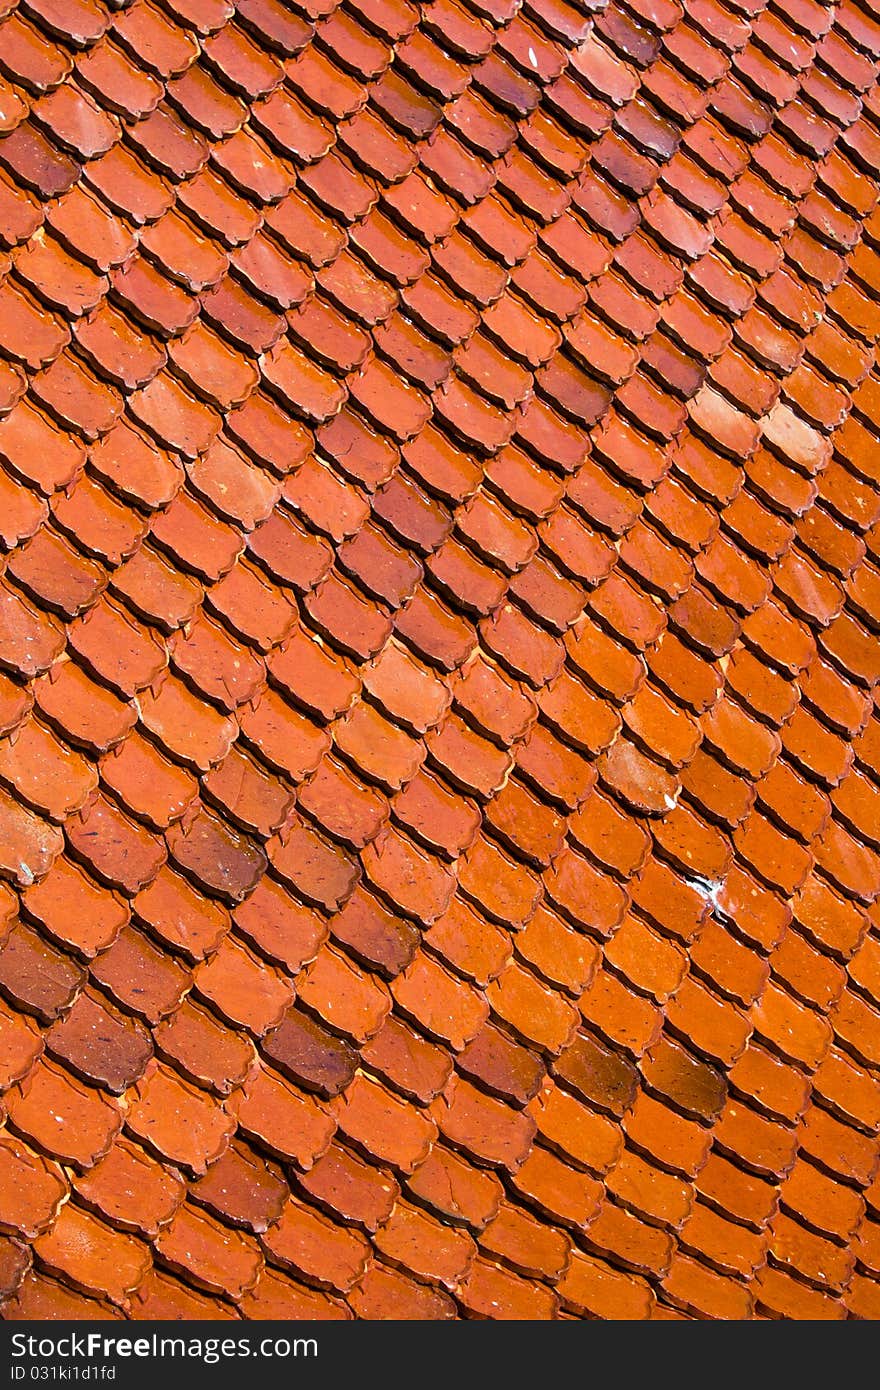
[438, 497]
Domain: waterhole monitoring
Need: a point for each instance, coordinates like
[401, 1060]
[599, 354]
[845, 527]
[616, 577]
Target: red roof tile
[438, 653]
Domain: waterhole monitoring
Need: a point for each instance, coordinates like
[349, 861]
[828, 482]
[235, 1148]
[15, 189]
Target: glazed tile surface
[439, 742]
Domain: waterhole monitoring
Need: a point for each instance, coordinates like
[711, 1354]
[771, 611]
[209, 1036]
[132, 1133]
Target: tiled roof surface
[439, 481]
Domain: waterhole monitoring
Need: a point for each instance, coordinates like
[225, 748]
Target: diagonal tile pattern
[440, 758]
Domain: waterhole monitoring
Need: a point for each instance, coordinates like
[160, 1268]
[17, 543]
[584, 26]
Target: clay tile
[15, 1265]
[382, 939]
[174, 417]
[251, 608]
[252, 72]
[209, 106]
[178, 1122]
[156, 40]
[555, 1189]
[32, 1188]
[33, 161]
[485, 366]
[343, 804]
[21, 1038]
[507, 894]
[384, 1292]
[638, 1246]
[855, 1023]
[53, 572]
[411, 880]
[319, 871]
[419, 1243]
[21, 218]
[135, 468]
[242, 318]
[269, 271]
[284, 739]
[547, 594]
[35, 449]
[196, 735]
[304, 388]
[32, 59]
[438, 1002]
[454, 1189]
[326, 502]
[471, 944]
[30, 334]
[501, 1066]
[588, 898]
[130, 1189]
[140, 976]
[180, 915]
[280, 927]
[694, 939]
[823, 1204]
[120, 852]
[602, 1077]
[347, 619]
[464, 579]
[343, 1185]
[218, 1260]
[100, 1261]
[392, 403]
[557, 952]
[63, 1117]
[524, 824]
[774, 857]
[689, 1284]
[647, 960]
[55, 780]
[117, 649]
[522, 647]
[847, 1089]
[714, 1027]
[286, 551]
[163, 1296]
[626, 1020]
[246, 991]
[242, 1188]
[483, 1126]
[784, 1297]
[103, 525]
[100, 1045]
[331, 978]
[406, 689]
[416, 1068]
[212, 369]
[823, 1133]
[36, 977]
[39, 1296]
[128, 187]
[251, 797]
[116, 80]
[31, 844]
[315, 1248]
[491, 1292]
[219, 668]
[385, 1127]
[15, 702]
[274, 1295]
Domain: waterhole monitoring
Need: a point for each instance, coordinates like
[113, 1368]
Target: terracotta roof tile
[438, 644]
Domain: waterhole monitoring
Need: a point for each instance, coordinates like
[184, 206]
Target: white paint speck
[708, 888]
